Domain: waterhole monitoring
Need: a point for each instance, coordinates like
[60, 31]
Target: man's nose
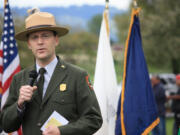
[40, 40]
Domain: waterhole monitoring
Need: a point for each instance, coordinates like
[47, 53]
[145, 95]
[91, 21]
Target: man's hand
[25, 94]
[51, 130]
[174, 97]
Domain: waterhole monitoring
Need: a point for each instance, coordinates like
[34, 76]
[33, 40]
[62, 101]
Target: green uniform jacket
[77, 103]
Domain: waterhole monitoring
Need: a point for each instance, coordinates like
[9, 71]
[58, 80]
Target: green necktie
[40, 83]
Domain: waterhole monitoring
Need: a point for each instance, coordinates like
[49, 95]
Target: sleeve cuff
[20, 110]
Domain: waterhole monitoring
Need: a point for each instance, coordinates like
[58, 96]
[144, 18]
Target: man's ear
[57, 40]
[29, 45]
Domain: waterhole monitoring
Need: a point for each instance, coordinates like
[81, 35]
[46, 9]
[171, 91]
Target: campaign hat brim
[23, 36]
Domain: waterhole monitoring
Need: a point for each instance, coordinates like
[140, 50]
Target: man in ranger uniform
[60, 87]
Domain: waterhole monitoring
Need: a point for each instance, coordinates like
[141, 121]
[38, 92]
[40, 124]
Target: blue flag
[137, 112]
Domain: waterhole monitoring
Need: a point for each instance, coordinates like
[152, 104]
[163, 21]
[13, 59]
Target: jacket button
[39, 124]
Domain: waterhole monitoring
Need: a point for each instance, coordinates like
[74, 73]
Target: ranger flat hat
[38, 21]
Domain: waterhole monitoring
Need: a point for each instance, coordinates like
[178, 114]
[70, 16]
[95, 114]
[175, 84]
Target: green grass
[169, 126]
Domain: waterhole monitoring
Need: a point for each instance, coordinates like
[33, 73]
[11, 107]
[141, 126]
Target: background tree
[122, 23]
[160, 29]
[94, 24]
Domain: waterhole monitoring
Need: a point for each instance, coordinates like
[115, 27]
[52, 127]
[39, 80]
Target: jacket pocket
[63, 98]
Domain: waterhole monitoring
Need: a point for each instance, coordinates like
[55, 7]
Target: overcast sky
[119, 4]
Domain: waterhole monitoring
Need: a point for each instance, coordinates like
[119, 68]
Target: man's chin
[42, 58]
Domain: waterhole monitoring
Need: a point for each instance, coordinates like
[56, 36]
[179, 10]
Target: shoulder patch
[88, 81]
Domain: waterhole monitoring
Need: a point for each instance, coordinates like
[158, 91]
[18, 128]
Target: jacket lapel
[36, 97]
[59, 74]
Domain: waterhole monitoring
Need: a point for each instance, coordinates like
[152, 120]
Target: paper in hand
[54, 120]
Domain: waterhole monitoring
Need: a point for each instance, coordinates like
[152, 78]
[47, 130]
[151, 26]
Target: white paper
[56, 120]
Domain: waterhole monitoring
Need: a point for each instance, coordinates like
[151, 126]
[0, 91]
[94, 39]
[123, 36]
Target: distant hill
[72, 15]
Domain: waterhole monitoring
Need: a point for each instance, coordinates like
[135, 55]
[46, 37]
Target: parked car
[169, 81]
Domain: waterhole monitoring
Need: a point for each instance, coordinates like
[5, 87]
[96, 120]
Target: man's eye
[34, 37]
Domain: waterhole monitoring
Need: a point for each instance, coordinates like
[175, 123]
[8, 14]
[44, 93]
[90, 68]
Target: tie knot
[42, 71]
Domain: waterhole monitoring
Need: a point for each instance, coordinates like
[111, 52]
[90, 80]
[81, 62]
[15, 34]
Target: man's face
[178, 82]
[154, 81]
[42, 44]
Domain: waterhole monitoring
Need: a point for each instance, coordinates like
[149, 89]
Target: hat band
[38, 26]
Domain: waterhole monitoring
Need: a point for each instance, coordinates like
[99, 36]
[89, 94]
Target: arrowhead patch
[88, 81]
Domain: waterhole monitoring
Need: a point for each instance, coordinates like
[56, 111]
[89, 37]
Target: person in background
[160, 97]
[176, 106]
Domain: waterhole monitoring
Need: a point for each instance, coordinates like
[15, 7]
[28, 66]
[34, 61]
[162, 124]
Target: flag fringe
[107, 22]
[134, 12]
[148, 130]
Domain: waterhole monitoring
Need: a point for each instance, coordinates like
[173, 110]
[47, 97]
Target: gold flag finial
[107, 4]
[5, 2]
[135, 4]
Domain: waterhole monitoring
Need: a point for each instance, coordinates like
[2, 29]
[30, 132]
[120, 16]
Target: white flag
[105, 83]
